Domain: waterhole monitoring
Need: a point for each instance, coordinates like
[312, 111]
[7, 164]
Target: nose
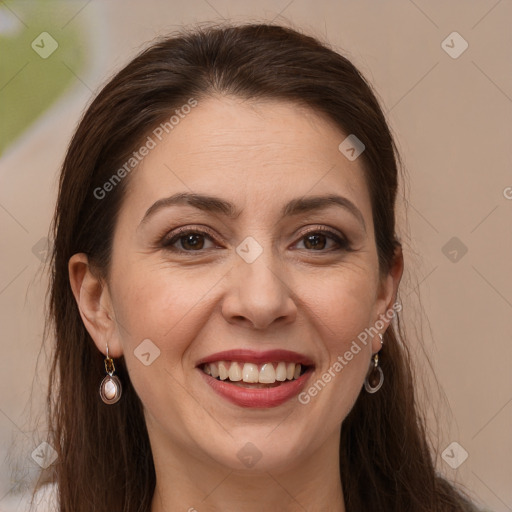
[258, 294]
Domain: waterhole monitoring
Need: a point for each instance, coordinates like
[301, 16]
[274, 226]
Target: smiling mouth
[253, 375]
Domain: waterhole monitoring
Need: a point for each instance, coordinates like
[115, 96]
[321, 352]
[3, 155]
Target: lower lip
[262, 398]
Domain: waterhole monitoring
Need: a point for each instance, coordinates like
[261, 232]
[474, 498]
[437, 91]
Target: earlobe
[93, 300]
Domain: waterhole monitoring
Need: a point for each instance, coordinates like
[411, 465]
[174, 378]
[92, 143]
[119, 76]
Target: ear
[94, 303]
[386, 296]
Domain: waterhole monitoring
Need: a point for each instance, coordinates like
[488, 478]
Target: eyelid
[188, 228]
[324, 229]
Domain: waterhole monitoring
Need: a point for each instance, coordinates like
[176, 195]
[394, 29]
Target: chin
[256, 450]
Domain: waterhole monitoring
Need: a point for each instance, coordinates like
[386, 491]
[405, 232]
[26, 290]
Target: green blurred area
[29, 84]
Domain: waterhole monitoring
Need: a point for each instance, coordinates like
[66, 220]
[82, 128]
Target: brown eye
[315, 241]
[192, 241]
[318, 240]
[188, 240]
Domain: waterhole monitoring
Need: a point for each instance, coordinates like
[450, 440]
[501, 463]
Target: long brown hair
[104, 456]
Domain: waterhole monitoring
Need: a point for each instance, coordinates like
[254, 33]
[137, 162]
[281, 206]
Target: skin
[258, 155]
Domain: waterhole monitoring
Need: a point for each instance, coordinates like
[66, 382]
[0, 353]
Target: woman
[226, 273]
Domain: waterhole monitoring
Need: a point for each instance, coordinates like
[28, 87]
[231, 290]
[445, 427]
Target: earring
[110, 387]
[371, 384]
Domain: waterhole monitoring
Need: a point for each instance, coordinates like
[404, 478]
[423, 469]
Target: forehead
[262, 153]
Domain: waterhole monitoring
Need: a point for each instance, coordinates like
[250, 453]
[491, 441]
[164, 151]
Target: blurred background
[442, 72]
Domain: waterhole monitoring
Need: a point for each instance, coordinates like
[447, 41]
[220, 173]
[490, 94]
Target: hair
[104, 455]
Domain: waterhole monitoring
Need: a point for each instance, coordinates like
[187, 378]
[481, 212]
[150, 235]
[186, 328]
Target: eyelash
[172, 238]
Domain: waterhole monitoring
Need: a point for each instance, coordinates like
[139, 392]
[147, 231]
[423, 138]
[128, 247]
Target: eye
[191, 240]
[317, 239]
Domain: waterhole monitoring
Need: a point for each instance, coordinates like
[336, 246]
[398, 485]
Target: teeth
[250, 372]
[235, 374]
[223, 371]
[267, 373]
[214, 370]
[281, 372]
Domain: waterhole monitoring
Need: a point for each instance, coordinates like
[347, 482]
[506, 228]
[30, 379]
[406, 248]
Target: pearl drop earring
[110, 387]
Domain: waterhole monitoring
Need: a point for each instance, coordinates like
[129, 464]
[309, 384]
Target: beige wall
[452, 118]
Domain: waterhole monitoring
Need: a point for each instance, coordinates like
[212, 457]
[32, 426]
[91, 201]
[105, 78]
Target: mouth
[253, 375]
[256, 379]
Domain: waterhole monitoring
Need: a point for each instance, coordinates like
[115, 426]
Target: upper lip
[252, 356]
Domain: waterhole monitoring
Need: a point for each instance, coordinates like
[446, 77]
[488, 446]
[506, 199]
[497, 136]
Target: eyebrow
[220, 206]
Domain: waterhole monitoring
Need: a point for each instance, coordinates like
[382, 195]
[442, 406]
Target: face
[279, 279]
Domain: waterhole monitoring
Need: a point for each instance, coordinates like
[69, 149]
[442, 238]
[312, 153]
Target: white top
[45, 500]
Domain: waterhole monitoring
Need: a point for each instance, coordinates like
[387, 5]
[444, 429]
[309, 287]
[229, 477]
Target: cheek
[341, 312]
[158, 311]
[341, 303]
[161, 311]
[158, 304]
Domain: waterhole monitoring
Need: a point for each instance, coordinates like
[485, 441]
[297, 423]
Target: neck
[184, 483]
